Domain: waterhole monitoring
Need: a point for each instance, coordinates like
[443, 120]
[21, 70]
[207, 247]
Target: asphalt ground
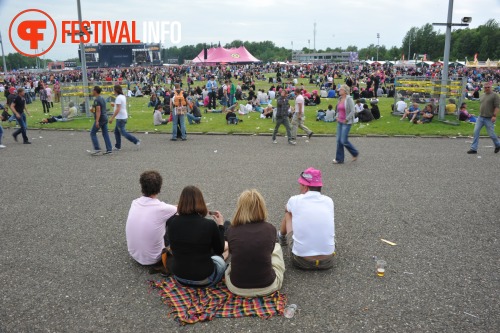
[64, 265]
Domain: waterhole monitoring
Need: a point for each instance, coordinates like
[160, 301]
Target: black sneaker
[26, 142]
[108, 153]
[15, 137]
[497, 149]
[471, 151]
[310, 134]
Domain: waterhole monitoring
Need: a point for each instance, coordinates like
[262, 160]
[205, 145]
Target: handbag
[180, 110]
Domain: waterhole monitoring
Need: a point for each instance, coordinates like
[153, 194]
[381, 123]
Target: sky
[338, 23]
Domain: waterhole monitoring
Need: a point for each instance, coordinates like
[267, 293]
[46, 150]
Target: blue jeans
[480, 122]
[1, 133]
[105, 135]
[192, 118]
[178, 119]
[12, 118]
[22, 128]
[343, 141]
[120, 130]
[219, 269]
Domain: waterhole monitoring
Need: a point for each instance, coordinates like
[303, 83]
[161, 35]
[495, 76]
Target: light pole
[84, 63]
[378, 43]
[3, 55]
[292, 52]
[446, 59]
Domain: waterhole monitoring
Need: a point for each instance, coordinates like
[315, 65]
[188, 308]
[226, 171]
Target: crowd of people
[231, 89]
[199, 247]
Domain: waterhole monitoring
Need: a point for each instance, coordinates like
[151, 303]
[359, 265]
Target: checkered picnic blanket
[192, 305]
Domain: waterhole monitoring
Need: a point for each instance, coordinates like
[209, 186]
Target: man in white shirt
[308, 227]
[146, 222]
[121, 115]
[401, 106]
[299, 116]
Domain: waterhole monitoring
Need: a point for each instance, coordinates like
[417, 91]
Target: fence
[72, 92]
[423, 89]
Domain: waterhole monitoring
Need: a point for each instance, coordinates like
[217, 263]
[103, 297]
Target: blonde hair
[346, 89]
[251, 207]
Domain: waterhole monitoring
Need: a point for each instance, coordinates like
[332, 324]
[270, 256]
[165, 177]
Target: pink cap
[310, 177]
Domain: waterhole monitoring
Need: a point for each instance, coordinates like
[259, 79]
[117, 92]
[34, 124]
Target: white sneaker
[2, 146]
[275, 141]
[138, 144]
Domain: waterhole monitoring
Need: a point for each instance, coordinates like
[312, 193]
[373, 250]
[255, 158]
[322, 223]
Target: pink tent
[221, 55]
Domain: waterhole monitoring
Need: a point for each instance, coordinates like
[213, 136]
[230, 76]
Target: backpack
[179, 99]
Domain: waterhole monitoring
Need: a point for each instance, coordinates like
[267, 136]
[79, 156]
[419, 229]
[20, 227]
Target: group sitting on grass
[199, 248]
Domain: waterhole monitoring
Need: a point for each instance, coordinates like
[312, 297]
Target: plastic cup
[380, 267]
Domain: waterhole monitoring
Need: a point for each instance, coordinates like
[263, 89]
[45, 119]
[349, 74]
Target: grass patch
[141, 119]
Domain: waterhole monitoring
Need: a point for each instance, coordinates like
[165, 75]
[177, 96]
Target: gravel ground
[64, 265]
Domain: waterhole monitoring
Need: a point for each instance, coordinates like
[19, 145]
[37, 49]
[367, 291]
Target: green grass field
[141, 120]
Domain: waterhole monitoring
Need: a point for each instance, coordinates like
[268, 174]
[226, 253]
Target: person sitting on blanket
[197, 243]
[257, 266]
[146, 222]
[308, 227]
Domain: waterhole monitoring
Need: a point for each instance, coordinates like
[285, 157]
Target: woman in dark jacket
[197, 243]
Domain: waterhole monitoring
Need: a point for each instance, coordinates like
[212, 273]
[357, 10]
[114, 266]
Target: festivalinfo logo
[34, 32]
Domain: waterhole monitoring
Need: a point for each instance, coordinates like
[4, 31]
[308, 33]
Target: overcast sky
[338, 23]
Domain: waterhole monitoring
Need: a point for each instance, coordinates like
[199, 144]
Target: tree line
[465, 43]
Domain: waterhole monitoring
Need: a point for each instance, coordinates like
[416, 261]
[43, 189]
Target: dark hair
[298, 91]
[151, 182]
[315, 188]
[97, 89]
[118, 89]
[192, 202]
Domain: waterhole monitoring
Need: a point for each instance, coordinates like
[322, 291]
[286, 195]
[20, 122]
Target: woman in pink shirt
[345, 119]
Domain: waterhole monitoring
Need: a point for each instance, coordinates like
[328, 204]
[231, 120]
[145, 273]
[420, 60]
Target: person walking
[121, 115]
[1, 132]
[18, 107]
[44, 98]
[282, 117]
[299, 117]
[101, 122]
[345, 119]
[488, 110]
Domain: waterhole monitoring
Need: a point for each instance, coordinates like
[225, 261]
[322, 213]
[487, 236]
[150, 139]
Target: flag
[403, 57]
[425, 57]
[475, 57]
